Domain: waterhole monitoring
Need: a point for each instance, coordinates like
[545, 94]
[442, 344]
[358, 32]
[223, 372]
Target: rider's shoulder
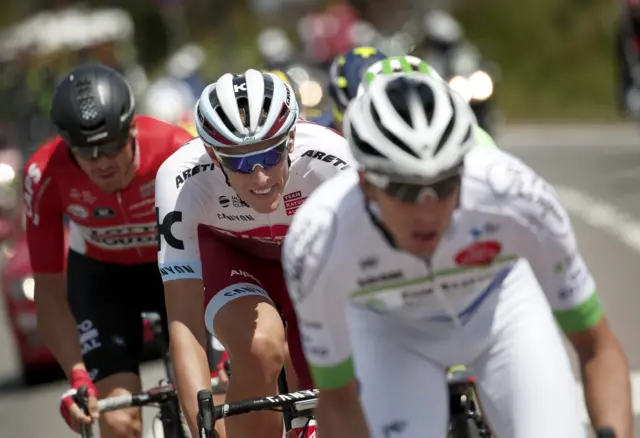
[51, 156]
[185, 164]
[160, 137]
[322, 232]
[322, 145]
[338, 198]
[498, 182]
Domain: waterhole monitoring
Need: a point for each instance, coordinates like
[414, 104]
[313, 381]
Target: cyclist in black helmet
[100, 173]
[346, 73]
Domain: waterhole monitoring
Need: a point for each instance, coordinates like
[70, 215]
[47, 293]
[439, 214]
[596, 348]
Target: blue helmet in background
[346, 74]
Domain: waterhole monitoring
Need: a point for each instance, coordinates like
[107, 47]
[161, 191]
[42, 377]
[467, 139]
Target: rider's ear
[292, 135]
[133, 129]
[212, 155]
[367, 188]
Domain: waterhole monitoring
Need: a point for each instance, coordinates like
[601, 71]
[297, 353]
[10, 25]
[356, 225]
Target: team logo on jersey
[164, 229]
[290, 207]
[78, 211]
[236, 217]
[327, 158]
[478, 253]
[186, 174]
[484, 229]
[380, 278]
[369, 263]
[225, 201]
[148, 188]
[531, 196]
[104, 212]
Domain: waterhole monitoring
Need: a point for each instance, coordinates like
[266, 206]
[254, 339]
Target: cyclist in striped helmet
[345, 75]
[409, 64]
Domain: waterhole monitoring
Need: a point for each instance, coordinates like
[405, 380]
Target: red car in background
[36, 360]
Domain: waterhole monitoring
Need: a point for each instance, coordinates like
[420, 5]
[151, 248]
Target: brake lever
[206, 420]
[81, 398]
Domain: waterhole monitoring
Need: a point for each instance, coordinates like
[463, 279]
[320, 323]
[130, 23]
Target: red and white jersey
[192, 192]
[110, 227]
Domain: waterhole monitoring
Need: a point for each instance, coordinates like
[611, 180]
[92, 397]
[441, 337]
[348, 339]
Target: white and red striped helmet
[244, 109]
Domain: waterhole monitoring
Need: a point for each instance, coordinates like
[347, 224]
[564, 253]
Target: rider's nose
[259, 175]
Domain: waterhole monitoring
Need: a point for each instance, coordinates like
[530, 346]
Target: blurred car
[18, 288]
[36, 360]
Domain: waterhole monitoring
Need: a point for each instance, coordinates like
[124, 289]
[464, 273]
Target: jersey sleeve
[546, 239]
[178, 213]
[319, 297]
[44, 211]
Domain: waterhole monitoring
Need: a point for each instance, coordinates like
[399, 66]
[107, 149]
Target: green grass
[556, 56]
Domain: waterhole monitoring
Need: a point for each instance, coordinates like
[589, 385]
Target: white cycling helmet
[409, 126]
[244, 109]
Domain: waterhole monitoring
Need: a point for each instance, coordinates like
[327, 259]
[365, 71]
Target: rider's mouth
[425, 236]
[262, 192]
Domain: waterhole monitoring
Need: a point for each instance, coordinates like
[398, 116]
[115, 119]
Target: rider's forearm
[57, 325]
[340, 415]
[191, 371]
[605, 375]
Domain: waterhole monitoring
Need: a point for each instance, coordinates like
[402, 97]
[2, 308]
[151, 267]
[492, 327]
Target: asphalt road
[596, 171]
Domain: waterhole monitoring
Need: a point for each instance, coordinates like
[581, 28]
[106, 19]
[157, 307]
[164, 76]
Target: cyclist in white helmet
[224, 203]
[417, 261]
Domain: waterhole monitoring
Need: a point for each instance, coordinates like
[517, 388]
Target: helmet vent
[390, 135]
[225, 120]
[363, 145]
[89, 109]
[449, 128]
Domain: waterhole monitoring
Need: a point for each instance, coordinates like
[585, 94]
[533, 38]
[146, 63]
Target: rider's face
[262, 188]
[416, 227]
[114, 172]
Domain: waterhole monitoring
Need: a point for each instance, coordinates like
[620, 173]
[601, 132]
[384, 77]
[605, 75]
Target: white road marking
[625, 228]
[613, 136]
[601, 215]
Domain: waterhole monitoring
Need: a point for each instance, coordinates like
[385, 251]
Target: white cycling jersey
[404, 319]
[191, 192]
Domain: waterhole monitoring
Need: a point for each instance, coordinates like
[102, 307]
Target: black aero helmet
[93, 105]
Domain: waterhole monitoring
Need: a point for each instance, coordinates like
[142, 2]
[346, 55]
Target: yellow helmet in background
[289, 81]
[187, 122]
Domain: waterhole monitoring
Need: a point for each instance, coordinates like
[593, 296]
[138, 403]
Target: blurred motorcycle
[461, 64]
[439, 39]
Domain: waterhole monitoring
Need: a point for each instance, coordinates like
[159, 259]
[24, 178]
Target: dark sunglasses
[415, 192]
[245, 163]
[104, 150]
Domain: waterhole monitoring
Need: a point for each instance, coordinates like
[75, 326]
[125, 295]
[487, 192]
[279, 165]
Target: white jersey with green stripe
[338, 256]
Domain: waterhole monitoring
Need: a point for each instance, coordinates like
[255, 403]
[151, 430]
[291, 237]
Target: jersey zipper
[126, 219]
[440, 296]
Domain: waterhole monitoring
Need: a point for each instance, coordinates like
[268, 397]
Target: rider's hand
[222, 369]
[71, 412]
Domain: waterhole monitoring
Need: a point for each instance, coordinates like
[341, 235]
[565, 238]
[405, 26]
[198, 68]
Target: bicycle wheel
[174, 425]
[463, 427]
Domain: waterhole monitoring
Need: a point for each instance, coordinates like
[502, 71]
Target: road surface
[596, 171]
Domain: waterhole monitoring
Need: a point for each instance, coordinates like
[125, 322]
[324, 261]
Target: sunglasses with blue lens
[246, 163]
